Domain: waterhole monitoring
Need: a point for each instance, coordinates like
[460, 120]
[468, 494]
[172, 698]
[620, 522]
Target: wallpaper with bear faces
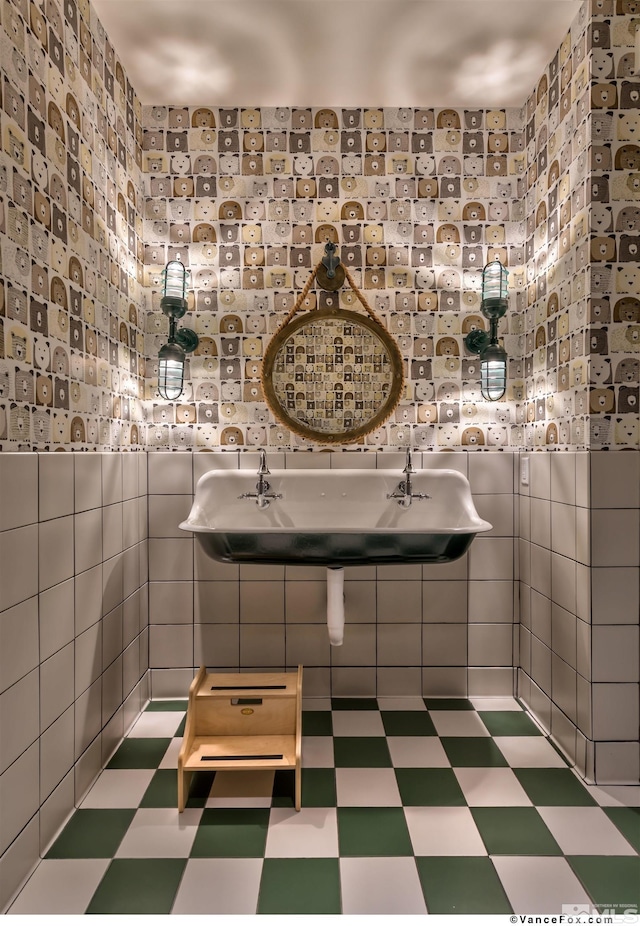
[613, 335]
[418, 200]
[71, 296]
[581, 331]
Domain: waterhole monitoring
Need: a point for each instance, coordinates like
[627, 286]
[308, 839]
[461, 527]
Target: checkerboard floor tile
[409, 806]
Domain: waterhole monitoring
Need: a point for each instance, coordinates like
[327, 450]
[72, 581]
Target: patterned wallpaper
[96, 194]
[613, 333]
[71, 299]
[418, 201]
[582, 224]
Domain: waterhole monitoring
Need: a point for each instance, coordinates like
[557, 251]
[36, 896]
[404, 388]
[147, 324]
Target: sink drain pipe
[335, 604]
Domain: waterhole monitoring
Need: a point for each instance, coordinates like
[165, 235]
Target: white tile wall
[55, 485]
[615, 480]
[583, 517]
[399, 618]
[62, 669]
[449, 636]
[615, 537]
[18, 490]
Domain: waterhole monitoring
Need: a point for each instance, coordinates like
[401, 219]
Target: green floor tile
[354, 704]
[176, 705]
[231, 833]
[509, 723]
[163, 789]
[317, 723]
[180, 730]
[200, 787]
[627, 819]
[408, 723]
[472, 751]
[138, 886]
[448, 704]
[367, 831]
[361, 752]
[300, 886]
[92, 834]
[140, 752]
[613, 882]
[429, 787]
[284, 788]
[461, 885]
[319, 787]
[514, 831]
[553, 787]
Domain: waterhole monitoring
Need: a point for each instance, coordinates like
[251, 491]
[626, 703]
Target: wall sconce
[493, 357]
[181, 342]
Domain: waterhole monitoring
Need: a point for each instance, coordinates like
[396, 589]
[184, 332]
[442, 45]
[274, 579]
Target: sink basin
[334, 518]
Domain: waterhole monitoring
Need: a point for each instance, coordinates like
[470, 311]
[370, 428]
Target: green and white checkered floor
[408, 806]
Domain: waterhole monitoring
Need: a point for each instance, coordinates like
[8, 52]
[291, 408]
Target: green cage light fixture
[493, 357]
[172, 355]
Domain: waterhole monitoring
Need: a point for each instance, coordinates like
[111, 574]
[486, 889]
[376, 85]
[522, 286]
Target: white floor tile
[539, 885]
[495, 704]
[241, 789]
[458, 723]
[615, 795]
[60, 886]
[156, 723]
[170, 758]
[401, 704]
[160, 833]
[529, 752]
[491, 787]
[417, 752]
[117, 787]
[308, 833]
[367, 787]
[357, 723]
[379, 886]
[316, 704]
[219, 886]
[585, 831]
[443, 831]
[317, 752]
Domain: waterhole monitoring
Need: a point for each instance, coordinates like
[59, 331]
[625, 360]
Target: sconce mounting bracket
[476, 340]
[187, 339]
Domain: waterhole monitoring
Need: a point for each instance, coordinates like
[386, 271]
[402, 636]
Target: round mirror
[332, 375]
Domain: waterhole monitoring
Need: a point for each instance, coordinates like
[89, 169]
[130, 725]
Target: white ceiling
[433, 53]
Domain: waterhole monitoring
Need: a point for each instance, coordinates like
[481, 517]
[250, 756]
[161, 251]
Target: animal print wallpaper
[418, 200]
[613, 333]
[71, 195]
[97, 193]
[582, 331]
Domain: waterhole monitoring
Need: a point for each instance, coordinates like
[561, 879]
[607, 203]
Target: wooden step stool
[240, 721]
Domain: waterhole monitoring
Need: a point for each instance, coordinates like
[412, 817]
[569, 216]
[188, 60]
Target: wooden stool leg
[184, 782]
[298, 787]
[180, 790]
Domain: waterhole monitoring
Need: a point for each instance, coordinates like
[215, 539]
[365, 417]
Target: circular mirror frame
[316, 317]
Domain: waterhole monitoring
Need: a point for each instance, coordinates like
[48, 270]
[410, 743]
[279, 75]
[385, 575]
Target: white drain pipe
[335, 604]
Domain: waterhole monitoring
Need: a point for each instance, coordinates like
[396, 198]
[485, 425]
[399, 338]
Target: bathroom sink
[334, 518]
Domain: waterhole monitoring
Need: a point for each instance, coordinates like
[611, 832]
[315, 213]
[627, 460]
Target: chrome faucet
[404, 493]
[261, 495]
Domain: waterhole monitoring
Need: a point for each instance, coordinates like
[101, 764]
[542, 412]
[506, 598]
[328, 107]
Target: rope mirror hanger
[332, 375]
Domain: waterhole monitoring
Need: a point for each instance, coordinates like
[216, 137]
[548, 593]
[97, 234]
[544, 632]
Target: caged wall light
[172, 355]
[493, 357]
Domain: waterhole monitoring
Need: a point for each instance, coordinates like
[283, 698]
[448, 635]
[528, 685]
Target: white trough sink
[334, 518]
